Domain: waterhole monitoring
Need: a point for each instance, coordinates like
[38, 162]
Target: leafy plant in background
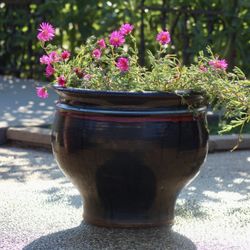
[194, 24]
[111, 63]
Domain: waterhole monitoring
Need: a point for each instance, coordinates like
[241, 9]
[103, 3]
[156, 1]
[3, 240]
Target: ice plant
[123, 64]
[218, 64]
[102, 43]
[163, 37]
[97, 54]
[116, 38]
[203, 68]
[46, 32]
[61, 80]
[112, 66]
[49, 70]
[65, 55]
[126, 29]
[45, 60]
[54, 57]
[87, 77]
[42, 92]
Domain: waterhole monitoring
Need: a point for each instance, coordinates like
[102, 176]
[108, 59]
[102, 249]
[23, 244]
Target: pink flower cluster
[65, 55]
[102, 43]
[215, 64]
[218, 64]
[42, 92]
[97, 54]
[61, 80]
[163, 37]
[123, 64]
[46, 32]
[49, 70]
[52, 58]
[117, 38]
[126, 29]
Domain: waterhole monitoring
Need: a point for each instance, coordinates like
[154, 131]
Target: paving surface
[20, 106]
[40, 209]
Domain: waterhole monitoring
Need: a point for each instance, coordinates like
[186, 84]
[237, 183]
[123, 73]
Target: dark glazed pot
[129, 154]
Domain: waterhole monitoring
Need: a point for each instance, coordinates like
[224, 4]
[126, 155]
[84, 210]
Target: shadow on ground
[89, 237]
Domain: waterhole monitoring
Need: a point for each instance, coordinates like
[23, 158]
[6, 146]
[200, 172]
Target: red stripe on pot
[102, 118]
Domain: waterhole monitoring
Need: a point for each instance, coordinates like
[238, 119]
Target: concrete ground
[40, 209]
[20, 106]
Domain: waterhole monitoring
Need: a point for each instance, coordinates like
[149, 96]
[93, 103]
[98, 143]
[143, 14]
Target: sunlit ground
[40, 207]
[20, 106]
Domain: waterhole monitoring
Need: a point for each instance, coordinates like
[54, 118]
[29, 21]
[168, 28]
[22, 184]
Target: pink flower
[42, 92]
[218, 64]
[65, 55]
[47, 32]
[116, 39]
[61, 80]
[163, 37]
[49, 70]
[101, 43]
[45, 60]
[87, 77]
[203, 68]
[54, 57]
[126, 29]
[97, 54]
[51, 58]
[123, 64]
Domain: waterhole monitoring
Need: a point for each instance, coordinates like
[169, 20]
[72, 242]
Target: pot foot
[128, 224]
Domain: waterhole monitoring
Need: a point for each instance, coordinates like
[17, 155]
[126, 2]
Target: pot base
[128, 225]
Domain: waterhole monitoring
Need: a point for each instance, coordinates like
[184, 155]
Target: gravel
[40, 209]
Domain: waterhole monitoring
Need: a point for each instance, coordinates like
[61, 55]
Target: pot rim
[71, 90]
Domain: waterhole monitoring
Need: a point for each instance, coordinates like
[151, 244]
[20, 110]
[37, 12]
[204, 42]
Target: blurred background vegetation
[223, 24]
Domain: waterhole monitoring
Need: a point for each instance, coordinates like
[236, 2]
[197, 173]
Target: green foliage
[222, 24]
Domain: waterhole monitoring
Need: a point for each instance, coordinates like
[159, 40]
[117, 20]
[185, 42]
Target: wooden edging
[228, 142]
[40, 137]
[29, 136]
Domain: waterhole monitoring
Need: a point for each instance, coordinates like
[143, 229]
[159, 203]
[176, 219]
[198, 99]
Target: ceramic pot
[129, 154]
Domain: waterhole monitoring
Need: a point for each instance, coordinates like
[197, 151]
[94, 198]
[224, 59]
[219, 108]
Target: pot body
[129, 154]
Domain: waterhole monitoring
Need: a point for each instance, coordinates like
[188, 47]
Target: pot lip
[71, 90]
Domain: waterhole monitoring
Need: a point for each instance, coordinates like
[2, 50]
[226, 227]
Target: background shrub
[223, 24]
